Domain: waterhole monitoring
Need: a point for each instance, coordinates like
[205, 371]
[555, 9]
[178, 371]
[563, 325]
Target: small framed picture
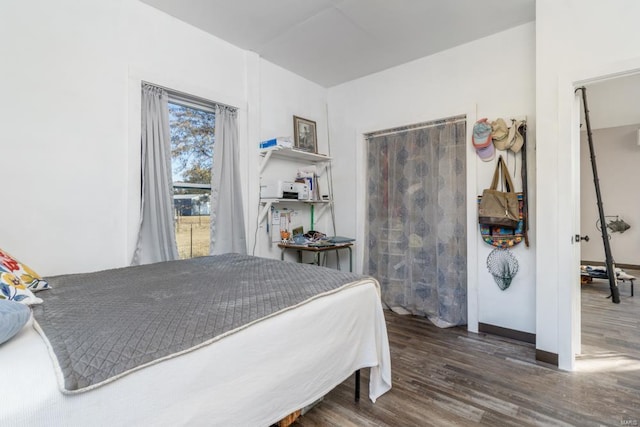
[305, 135]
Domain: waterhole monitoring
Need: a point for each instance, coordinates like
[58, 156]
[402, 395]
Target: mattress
[102, 325]
[254, 377]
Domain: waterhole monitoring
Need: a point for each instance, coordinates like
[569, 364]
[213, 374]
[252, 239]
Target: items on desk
[310, 238]
[341, 239]
[298, 237]
[314, 236]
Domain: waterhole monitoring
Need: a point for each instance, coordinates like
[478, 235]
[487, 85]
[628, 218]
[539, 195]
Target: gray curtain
[156, 238]
[227, 218]
[416, 226]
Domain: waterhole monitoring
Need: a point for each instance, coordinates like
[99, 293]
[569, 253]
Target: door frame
[471, 192]
[569, 303]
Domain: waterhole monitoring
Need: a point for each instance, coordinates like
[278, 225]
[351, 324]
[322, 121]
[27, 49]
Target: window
[192, 125]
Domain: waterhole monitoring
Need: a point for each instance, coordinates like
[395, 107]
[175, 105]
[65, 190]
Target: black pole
[523, 175]
[611, 268]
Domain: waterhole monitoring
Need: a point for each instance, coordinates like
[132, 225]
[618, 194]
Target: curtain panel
[227, 214]
[156, 236]
[416, 219]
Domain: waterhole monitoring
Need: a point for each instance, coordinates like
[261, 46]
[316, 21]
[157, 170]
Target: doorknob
[579, 237]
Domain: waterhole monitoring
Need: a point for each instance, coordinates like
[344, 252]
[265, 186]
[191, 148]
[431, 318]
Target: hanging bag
[503, 237]
[499, 207]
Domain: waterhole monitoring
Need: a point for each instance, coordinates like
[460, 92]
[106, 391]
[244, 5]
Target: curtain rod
[423, 125]
[188, 96]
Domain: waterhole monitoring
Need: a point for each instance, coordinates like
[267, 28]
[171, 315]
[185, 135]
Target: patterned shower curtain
[416, 227]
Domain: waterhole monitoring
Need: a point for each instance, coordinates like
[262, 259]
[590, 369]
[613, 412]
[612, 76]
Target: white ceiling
[334, 41]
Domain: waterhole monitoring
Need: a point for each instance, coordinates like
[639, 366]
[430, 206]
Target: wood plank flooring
[450, 377]
[610, 328]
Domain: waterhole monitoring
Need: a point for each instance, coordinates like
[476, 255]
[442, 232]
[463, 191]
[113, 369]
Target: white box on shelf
[271, 190]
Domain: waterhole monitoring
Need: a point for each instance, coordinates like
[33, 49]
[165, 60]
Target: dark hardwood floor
[445, 377]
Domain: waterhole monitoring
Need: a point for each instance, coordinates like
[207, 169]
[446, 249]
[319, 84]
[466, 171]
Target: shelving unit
[299, 156]
[267, 203]
[291, 154]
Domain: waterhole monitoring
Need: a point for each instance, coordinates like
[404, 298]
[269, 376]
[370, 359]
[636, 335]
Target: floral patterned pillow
[27, 276]
[12, 289]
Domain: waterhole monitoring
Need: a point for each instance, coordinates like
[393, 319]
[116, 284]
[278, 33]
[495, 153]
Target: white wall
[614, 102]
[617, 156]
[468, 79]
[574, 41]
[64, 142]
[71, 120]
[169, 53]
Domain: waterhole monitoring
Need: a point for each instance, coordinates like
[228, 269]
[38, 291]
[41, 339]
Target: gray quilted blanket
[101, 326]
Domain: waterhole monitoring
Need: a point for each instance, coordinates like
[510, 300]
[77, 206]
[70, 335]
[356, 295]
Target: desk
[317, 250]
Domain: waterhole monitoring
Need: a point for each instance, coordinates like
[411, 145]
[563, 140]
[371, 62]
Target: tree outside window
[192, 139]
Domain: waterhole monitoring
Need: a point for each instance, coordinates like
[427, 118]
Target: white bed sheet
[251, 378]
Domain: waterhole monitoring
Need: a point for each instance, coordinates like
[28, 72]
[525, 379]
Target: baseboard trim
[627, 266]
[541, 355]
[547, 357]
[507, 333]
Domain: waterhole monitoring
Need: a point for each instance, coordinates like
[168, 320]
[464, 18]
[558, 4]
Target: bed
[252, 373]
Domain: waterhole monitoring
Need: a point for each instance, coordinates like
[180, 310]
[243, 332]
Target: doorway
[608, 338]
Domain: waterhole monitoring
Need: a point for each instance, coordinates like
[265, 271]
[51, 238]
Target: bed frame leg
[357, 397]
